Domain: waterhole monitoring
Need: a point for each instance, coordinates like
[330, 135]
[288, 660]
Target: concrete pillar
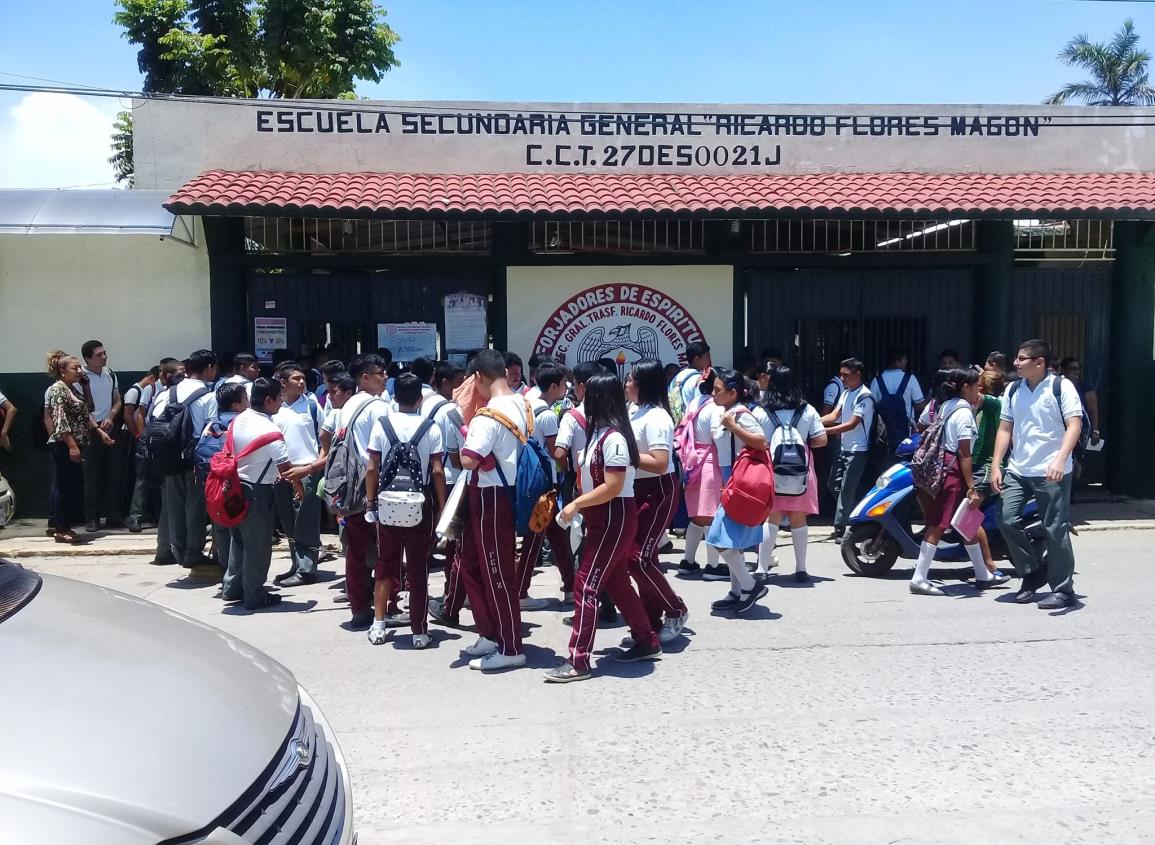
[994, 278]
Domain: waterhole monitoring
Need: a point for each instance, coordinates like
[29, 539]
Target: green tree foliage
[306, 49]
[1118, 71]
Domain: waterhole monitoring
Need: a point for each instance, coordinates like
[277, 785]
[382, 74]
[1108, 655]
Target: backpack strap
[192, 397]
[578, 417]
[882, 386]
[797, 418]
[433, 411]
[505, 421]
[390, 431]
[902, 385]
[422, 430]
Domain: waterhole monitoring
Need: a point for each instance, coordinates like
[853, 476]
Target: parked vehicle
[881, 529]
[126, 723]
[7, 502]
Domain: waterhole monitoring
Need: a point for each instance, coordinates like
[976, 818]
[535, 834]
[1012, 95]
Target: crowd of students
[622, 458]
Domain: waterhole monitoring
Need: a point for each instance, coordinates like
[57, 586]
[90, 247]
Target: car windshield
[18, 586]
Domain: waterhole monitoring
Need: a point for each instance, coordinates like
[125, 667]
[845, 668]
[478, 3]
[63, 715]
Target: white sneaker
[530, 603]
[496, 660]
[481, 648]
[672, 627]
[422, 640]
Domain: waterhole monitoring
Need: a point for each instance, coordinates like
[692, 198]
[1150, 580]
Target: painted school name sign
[176, 141]
[624, 322]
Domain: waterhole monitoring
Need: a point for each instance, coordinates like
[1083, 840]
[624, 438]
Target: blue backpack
[535, 498]
[892, 412]
[210, 442]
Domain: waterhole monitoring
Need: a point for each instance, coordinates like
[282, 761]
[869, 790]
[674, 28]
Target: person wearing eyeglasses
[1043, 420]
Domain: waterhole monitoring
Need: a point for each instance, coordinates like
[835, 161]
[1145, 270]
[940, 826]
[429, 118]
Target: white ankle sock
[799, 537]
[975, 553]
[766, 548]
[925, 559]
[739, 575]
[694, 535]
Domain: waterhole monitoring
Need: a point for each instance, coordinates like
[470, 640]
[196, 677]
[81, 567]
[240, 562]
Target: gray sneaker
[672, 627]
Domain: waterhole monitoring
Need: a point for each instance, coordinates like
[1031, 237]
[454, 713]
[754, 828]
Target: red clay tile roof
[540, 194]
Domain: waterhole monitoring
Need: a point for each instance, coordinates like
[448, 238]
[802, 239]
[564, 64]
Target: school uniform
[453, 438]
[854, 452]
[656, 495]
[1039, 427]
[410, 545]
[487, 551]
[300, 520]
[571, 436]
[146, 486]
[704, 485]
[222, 537]
[959, 425]
[724, 532]
[610, 534]
[361, 413]
[545, 426]
[809, 426]
[103, 465]
[251, 546]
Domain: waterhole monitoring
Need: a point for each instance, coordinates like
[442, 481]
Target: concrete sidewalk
[25, 538]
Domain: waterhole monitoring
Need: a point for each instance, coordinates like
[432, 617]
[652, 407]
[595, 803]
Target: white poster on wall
[465, 325]
[269, 333]
[408, 341]
[577, 314]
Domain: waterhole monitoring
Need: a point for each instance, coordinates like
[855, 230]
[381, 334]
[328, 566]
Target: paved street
[844, 711]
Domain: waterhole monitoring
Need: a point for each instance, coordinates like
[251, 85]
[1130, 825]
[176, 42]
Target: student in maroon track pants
[488, 564]
[610, 516]
[656, 491]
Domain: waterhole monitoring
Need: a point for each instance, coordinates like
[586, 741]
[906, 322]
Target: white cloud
[56, 141]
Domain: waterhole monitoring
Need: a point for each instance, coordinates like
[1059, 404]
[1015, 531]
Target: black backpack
[169, 441]
[401, 490]
[1057, 392]
[893, 419]
[789, 455]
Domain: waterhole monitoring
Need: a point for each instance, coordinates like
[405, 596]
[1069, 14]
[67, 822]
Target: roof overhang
[100, 212]
[1123, 195]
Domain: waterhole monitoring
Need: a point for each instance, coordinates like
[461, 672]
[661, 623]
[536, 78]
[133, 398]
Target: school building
[594, 230]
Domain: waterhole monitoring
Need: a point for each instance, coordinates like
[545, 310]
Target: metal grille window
[634, 237]
[279, 235]
[845, 237]
[1064, 240]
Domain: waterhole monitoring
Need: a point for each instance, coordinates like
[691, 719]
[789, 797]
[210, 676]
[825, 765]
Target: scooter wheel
[869, 550]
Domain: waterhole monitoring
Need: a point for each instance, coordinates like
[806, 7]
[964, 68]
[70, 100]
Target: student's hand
[298, 492]
[5, 443]
[1095, 438]
[997, 479]
[371, 516]
[297, 474]
[730, 420]
[105, 424]
[74, 454]
[104, 437]
[975, 498]
[570, 511]
[1057, 468]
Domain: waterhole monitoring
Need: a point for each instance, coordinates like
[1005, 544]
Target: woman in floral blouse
[72, 426]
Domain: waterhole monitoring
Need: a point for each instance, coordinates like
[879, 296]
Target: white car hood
[137, 718]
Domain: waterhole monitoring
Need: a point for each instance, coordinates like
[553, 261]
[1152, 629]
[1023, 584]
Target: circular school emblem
[621, 321]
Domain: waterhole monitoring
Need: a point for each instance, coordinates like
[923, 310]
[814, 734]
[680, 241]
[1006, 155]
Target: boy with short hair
[853, 419]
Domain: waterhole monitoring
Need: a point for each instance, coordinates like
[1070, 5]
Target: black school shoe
[1031, 582]
[717, 572]
[637, 653]
[728, 603]
[1056, 601]
[749, 599]
[689, 569]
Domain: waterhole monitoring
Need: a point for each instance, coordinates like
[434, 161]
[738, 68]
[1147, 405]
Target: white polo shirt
[405, 425]
[545, 425]
[452, 438]
[1040, 423]
[856, 403]
[653, 429]
[959, 426]
[892, 379]
[200, 411]
[571, 434]
[687, 382]
[101, 387]
[615, 455]
[489, 437]
[378, 406]
[236, 379]
[728, 445]
[300, 436]
[260, 467]
[832, 392]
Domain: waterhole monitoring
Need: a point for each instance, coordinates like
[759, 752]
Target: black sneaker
[728, 603]
[717, 572]
[565, 673]
[749, 599]
[689, 569]
[299, 579]
[134, 526]
[268, 600]
[638, 653]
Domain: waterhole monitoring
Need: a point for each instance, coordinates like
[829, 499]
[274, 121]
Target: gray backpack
[789, 455]
[344, 472]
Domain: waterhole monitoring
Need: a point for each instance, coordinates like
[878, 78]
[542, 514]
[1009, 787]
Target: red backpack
[224, 497]
[748, 497]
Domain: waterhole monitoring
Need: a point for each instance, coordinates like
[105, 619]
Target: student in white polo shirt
[103, 465]
[852, 419]
[246, 367]
[894, 388]
[1043, 418]
[299, 420]
[252, 543]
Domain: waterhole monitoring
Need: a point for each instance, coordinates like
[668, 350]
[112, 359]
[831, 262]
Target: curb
[74, 551]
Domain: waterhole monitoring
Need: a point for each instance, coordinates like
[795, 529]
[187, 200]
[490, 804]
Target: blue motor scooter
[880, 529]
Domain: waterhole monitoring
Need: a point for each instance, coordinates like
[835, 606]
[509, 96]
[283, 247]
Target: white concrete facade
[144, 296]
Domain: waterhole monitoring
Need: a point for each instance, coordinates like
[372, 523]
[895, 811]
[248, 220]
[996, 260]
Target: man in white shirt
[145, 490]
[895, 386]
[487, 548]
[299, 421]
[397, 542]
[1044, 420]
[251, 548]
[246, 368]
[103, 465]
[686, 382]
[183, 497]
[852, 419]
[356, 417]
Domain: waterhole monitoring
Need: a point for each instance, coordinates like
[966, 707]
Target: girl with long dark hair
[703, 490]
[737, 428]
[793, 420]
[656, 492]
[606, 470]
[955, 396]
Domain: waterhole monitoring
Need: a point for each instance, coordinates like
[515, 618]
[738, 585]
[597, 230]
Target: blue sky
[977, 51]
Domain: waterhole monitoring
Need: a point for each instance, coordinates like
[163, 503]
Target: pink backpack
[690, 453]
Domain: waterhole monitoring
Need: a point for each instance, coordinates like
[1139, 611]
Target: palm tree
[1118, 71]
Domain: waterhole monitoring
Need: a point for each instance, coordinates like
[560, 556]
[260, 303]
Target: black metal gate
[819, 317]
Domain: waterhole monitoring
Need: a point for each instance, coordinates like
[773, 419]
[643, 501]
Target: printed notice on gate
[269, 333]
[408, 341]
[465, 327]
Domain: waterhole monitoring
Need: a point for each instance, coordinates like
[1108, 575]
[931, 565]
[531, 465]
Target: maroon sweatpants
[414, 544]
[489, 569]
[358, 583]
[531, 553]
[609, 530]
[657, 499]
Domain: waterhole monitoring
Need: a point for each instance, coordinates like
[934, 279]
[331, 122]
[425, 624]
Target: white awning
[104, 212]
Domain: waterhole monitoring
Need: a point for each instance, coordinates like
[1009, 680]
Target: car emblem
[299, 756]
[303, 749]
